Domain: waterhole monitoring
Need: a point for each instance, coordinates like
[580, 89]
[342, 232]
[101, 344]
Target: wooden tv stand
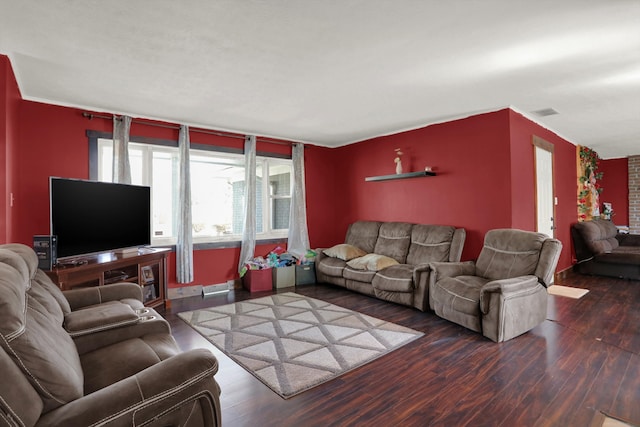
[146, 267]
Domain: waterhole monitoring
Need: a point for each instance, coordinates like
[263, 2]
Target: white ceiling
[334, 72]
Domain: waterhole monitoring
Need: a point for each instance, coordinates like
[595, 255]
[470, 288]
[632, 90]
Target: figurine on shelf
[398, 161]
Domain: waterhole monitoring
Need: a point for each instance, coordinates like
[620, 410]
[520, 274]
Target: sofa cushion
[123, 359]
[599, 235]
[397, 278]
[41, 286]
[17, 396]
[360, 275]
[509, 253]
[372, 262]
[344, 251]
[34, 339]
[44, 282]
[462, 293]
[430, 243]
[457, 299]
[624, 255]
[363, 234]
[394, 240]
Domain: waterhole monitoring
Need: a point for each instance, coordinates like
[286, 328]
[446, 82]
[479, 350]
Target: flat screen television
[91, 216]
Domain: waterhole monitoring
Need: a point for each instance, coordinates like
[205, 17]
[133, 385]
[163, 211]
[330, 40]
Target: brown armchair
[109, 370]
[503, 294]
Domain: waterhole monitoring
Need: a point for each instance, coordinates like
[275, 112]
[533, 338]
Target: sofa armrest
[457, 244]
[99, 318]
[170, 392]
[84, 297]
[508, 288]
[419, 270]
[628, 239]
[320, 255]
[150, 322]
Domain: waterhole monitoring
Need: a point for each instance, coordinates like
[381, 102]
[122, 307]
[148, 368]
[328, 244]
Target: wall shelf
[400, 176]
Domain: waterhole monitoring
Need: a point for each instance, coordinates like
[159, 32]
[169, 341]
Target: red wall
[615, 188]
[9, 101]
[469, 190]
[523, 178]
[4, 161]
[328, 201]
[485, 179]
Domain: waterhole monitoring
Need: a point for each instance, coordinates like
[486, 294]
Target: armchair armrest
[452, 269]
[170, 392]
[513, 287]
[84, 297]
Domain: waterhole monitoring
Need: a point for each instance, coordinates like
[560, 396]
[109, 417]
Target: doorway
[544, 180]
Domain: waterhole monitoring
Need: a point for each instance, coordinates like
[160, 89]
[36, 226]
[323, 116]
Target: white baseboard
[201, 290]
[184, 291]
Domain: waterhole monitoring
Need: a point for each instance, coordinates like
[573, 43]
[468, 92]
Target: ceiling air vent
[545, 112]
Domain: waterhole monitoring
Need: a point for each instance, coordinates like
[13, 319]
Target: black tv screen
[91, 216]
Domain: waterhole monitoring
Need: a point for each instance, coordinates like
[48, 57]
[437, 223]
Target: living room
[483, 163]
[484, 160]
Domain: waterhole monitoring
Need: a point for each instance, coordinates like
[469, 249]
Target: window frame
[275, 237]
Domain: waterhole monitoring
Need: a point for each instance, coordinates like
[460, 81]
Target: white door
[545, 198]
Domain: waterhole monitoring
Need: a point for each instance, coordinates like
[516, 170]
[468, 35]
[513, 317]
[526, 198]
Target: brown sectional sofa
[602, 251]
[93, 356]
[413, 246]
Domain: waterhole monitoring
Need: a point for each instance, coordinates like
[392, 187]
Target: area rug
[293, 343]
[567, 291]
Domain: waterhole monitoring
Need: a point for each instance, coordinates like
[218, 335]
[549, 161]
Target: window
[217, 190]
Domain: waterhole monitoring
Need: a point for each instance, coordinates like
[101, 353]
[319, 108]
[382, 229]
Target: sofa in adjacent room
[389, 260]
[93, 356]
[602, 250]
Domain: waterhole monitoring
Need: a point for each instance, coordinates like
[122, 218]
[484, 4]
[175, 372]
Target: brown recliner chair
[111, 368]
[503, 294]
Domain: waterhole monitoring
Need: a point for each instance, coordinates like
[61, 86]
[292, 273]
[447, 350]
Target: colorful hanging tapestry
[588, 188]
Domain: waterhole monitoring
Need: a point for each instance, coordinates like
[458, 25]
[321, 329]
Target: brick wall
[634, 195]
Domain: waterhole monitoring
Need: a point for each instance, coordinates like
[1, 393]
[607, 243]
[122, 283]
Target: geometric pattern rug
[292, 343]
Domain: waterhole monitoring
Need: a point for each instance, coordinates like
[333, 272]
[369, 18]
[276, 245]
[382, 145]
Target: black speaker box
[45, 248]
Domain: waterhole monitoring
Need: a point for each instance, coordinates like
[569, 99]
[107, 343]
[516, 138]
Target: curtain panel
[183, 221]
[121, 168]
[298, 238]
[249, 231]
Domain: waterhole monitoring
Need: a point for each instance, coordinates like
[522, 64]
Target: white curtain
[298, 239]
[249, 231]
[184, 244]
[121, 168]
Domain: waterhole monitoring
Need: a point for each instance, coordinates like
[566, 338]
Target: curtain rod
[91, 116]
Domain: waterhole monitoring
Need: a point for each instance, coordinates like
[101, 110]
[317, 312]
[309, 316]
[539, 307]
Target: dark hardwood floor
[583, 360]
